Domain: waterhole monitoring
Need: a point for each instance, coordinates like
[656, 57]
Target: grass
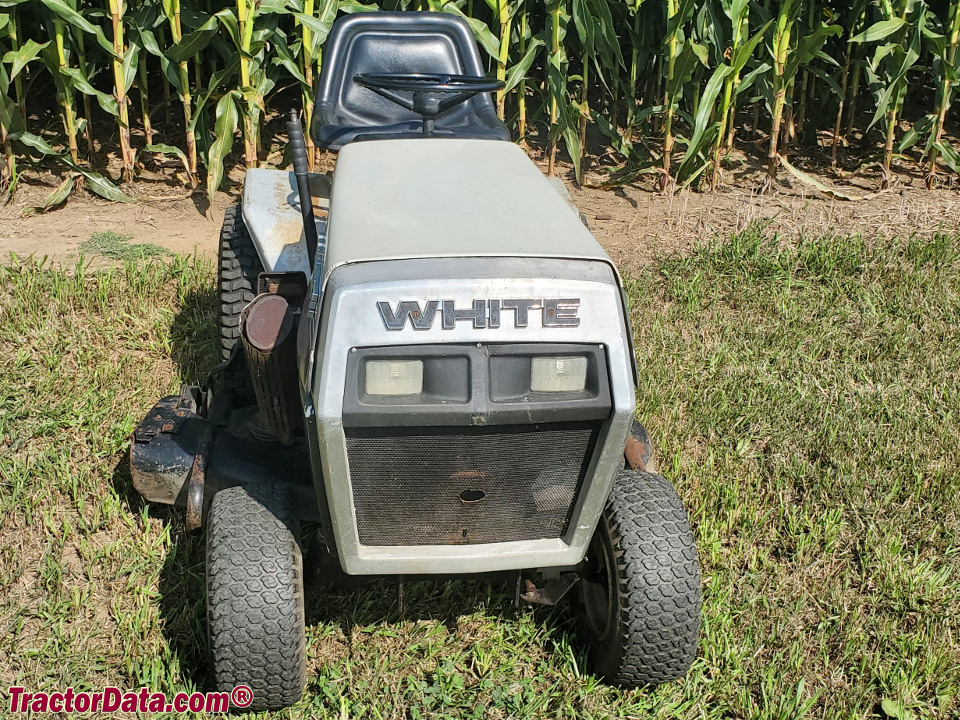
[116, 246]
[805, 400]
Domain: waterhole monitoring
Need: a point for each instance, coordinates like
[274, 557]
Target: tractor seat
[397, 42]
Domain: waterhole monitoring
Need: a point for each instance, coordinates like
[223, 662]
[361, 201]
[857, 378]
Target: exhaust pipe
[269, 341]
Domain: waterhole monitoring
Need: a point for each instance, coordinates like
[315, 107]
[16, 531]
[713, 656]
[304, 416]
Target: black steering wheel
[433, 93]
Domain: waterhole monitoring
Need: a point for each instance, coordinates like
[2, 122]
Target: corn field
[669, 87]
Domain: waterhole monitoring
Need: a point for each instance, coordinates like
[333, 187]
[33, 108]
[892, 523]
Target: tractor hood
[443, 197]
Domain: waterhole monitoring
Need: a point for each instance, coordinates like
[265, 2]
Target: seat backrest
[393, 42]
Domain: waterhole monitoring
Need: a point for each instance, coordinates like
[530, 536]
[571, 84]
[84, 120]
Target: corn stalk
[246, 11]
[780, 52]
[682, 56]
[181, 81]
[788, 59]
[120, 88]
[947, 57]
[556, 81]
[502, 8]
[65, 90]
[856, 19]
[903, 28]
[742, 47]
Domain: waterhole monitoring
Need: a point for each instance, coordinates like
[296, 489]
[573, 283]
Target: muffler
[268, 330]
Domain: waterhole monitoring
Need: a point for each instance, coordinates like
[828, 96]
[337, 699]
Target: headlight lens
[394, 377]
[558, 374]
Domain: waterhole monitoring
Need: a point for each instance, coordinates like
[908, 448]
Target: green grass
[116, 246]
[805, 400]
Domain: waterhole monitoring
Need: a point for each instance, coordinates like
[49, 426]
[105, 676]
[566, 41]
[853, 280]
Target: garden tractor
[428, 357]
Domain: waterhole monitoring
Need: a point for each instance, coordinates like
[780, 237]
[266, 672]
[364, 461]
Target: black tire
[239, 267]
[255, 616]
[640, 598]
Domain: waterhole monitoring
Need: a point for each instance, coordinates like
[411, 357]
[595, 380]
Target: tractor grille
[461, 486]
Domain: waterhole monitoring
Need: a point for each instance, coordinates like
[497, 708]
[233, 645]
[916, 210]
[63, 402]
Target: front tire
[640, 597]
[255, 616]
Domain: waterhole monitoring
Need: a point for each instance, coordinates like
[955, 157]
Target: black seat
[396, 42]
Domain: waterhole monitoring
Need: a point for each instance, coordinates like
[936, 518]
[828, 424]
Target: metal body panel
[434, 198]
[271, 212]
[351, 320]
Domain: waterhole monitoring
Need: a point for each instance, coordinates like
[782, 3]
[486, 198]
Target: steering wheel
[433, 93]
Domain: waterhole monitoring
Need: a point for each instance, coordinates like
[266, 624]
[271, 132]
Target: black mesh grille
[455, 486]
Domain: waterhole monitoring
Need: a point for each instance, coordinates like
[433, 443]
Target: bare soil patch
[633, 223]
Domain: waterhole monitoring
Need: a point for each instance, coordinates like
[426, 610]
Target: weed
[117, 247]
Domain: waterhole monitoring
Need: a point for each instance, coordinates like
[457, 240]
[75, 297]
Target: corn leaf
[487, 40]
[520, 69]
[193, 42]
[28, 52]
[879, 31]
[79, 82]
[225, 127]
[58, 196]
[74, 19]
[170, 150]
[35, 142]
[95, 182]
[949, 156]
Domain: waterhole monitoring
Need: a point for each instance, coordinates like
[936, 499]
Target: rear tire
[640, 599]
[255, 615]
[239, 267]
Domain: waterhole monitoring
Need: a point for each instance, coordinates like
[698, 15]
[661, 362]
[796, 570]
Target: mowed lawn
[805, 399]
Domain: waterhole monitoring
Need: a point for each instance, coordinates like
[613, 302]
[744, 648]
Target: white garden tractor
[429, 356]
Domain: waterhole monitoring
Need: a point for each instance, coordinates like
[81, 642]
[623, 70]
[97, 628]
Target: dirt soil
[632, 223]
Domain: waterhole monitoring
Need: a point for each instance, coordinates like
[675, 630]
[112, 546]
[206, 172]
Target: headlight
[394, 377]
[558, 374]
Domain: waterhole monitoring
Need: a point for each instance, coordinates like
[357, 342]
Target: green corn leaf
[95, 182]
[520, 69]
[684, 13]
[351, 6]
[572, 141]
[617, 141]
[823, 75]
[949, 156]
[27, 53]
[166, 150]
[73, 18]
[920, 127]
[225, 128]
[35, 142]
[879, 31]
[683, 68]
[230, 22]
[286, 59]
[79, 82]
[215, 80]
[193, 42]
[149, 41]
[487, 40]
[751, 77]
[320, 27]
[171, 150]
[701, 122]
[130, 66]
[745, 52]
